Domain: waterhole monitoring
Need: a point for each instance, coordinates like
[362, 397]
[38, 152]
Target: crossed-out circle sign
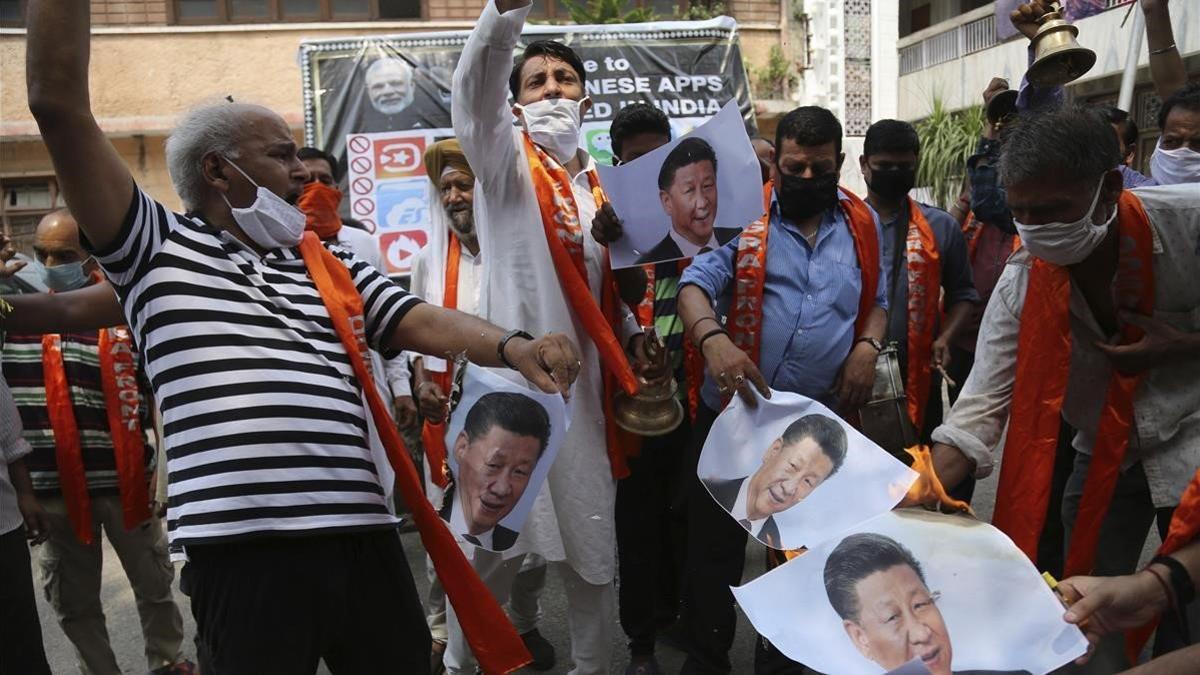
[364, 207]
[359, 144]
[361, 165]
[362, 186]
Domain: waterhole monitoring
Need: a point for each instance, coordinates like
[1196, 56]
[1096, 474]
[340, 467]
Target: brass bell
[1058, 57]
[884, 417]
[655, 410]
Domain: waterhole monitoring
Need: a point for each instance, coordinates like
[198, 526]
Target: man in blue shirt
[889, 165]
[809, 343]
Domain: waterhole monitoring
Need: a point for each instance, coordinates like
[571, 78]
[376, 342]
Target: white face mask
[553, 124]
[270, 221]
[1172, 167]
[1066, 243]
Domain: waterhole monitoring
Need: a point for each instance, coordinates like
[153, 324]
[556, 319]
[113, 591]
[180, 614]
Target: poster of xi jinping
[687, 197]
[793, 473]
[377, 102]
[500, 442]
[914, 592]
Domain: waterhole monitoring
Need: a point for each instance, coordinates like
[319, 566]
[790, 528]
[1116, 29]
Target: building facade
[949, 50]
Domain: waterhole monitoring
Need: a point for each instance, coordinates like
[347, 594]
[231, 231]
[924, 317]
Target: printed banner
[375, 103]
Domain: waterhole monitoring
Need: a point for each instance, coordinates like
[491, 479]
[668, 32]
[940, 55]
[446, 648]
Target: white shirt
[12, 447]
[739, 509]
[470, 274]
[1166, 406]
[690, 250]
[572, 517]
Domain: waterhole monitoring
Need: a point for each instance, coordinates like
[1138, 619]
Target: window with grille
[255, 11]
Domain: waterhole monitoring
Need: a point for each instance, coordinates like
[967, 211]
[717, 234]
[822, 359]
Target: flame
[927, 489]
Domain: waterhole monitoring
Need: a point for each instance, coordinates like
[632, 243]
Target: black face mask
[892, 183]
[801, 198]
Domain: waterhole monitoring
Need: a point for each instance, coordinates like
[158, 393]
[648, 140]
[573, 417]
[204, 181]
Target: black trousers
[651, 536]
[716, 557]
[280, 604]
[20, 630]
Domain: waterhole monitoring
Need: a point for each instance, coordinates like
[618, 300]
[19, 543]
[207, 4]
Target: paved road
[126, 635]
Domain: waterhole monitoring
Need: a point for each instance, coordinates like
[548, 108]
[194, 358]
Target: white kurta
[572, 519]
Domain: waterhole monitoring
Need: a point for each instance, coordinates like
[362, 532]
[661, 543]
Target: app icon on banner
[399, 157]
[400, 247]
[402, 204]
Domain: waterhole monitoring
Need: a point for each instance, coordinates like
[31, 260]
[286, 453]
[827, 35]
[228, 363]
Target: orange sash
[1184, 529]
[971, 230]
[433, 436]
[491, 636]
[564, 236]
[1043, 368]
[122, 405]
[750, 269]
[924, 267]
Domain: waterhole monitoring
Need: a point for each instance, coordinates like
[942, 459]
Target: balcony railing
[974, 32]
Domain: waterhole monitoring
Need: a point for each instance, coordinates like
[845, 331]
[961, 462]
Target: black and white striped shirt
[265, 429]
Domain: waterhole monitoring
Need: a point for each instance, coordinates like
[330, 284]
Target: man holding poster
[806, 301]
[535, 188]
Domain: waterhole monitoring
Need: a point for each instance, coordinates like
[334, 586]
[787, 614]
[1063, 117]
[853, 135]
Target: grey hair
[1072, 142]
[380, 62]
[216, 127]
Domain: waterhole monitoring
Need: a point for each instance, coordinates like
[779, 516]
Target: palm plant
[947, 140]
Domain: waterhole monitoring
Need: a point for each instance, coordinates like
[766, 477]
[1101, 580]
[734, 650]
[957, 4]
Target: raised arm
[95, 183]
[480, 110]
[1166, 65]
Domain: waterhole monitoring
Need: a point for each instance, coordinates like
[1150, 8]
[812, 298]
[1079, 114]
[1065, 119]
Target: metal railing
[950, 44]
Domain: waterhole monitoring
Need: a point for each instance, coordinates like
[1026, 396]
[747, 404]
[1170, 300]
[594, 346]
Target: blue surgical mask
[65, 277]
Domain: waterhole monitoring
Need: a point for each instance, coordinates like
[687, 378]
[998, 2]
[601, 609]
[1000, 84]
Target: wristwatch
[504, 343]
[871, 341]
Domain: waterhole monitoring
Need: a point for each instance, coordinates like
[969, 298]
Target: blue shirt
[955, 274]
[810, 303]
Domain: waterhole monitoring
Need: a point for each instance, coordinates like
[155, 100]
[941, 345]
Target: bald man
[72, 391]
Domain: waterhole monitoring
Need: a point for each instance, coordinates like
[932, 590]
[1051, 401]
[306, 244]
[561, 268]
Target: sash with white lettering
[118, 378]
[924, 267]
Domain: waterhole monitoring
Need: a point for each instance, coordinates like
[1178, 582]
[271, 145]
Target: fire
[927, 489]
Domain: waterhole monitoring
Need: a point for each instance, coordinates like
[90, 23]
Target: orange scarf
[693, 361]
[924, 269]
[1184, 529]
[122, 405]
[1043, 368]
[971, 230]
[319, 202]
[491, 636]
[564, 236]
[433, 436]
[750, 271]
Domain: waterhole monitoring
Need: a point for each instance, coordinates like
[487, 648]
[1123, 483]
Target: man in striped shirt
[71, 563]
[273, 497]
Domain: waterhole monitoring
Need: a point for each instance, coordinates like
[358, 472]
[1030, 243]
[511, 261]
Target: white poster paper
[913, 591]
[695, 193]
[794, 473]
[500, 442]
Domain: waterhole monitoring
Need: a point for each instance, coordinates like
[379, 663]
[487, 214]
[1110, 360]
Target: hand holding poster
[691, 195]
[914, 592]
[793, 473]
[500, 441]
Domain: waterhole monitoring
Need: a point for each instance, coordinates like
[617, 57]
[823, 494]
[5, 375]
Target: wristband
[871, 341]
[711, 333]
[504, 343]
[1181, 581]
[705, 318]
[1171, 600]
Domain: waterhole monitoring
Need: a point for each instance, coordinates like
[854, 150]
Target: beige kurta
[572, 519]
